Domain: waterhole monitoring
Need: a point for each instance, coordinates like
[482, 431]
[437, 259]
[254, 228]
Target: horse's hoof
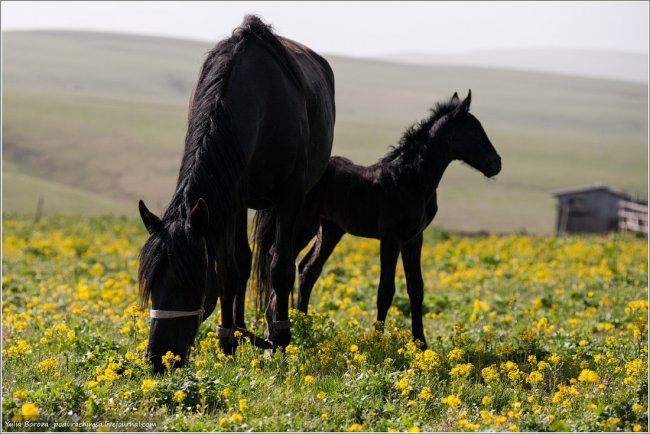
[227, 346]
[281, 339]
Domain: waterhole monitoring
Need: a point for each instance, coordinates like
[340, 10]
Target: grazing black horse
[393, 200]
[259, 136]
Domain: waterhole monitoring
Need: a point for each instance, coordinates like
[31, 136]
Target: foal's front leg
[414, 285]
[389, 251]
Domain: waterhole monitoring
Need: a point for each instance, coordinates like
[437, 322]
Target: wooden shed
[599, 208]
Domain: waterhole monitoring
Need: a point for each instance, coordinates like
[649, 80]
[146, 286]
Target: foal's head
[466, 138]
[174, 273]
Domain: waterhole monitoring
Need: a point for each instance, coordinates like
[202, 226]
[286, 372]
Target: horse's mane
[212, 163]
[410, 145]
[208, 164]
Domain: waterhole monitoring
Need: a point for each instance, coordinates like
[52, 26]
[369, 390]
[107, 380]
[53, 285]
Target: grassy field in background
[107, 115]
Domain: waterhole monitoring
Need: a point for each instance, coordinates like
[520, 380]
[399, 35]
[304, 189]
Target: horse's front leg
[243, 258]
[234, 273]
[389, 252]
[228, 278]
[411, 253]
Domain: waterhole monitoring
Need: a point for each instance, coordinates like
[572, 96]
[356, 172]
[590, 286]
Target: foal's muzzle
[494, 167]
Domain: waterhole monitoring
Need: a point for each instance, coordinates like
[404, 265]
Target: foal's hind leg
[414, 285]
[311, 265]
[389, 252]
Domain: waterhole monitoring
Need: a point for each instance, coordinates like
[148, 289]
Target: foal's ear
[455, 98]
[199, 217]
[151, 222]
[463, 107]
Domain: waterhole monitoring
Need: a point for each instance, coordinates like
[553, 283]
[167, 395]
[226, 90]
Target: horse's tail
[264, 237]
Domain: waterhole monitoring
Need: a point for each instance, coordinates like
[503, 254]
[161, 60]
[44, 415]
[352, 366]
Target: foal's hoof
[227, 346]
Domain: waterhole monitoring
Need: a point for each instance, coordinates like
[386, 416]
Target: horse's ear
[455, 98]
[199, 217]
[151, 222]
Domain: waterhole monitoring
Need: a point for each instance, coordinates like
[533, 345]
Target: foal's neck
[427, 168]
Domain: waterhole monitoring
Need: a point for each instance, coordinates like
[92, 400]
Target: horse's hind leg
[311, 265]
[414, 285]
[389, 252]
[243, 258]
[283, 269]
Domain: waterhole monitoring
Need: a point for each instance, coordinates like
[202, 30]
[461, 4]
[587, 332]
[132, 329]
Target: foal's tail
[264, 237]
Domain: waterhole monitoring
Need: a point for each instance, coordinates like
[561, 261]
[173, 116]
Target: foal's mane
[213, 161]
[411, 145]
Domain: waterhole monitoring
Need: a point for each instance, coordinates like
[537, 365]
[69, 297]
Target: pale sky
[363, 28]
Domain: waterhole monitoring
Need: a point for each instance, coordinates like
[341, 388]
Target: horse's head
[174, 273]
[468, 141]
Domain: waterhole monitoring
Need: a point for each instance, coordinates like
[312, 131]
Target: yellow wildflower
[452, 401]
[461, 370]
[554, 359]
[147, 385]
[29, 410]
[21, 347]
[490, 374]
[47, 364]
[425, 393]
[170, 359]
[588, 376]
[456, 354]
[22, 394]
[535, 377]
[635, 368]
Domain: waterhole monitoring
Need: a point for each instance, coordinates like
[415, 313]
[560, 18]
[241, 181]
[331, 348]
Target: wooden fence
[632, 216]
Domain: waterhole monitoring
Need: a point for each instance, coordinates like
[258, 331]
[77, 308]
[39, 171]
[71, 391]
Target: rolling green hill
[105, 115]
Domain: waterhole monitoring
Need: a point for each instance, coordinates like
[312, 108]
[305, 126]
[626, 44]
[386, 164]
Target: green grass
[21, 192]
[527, 333]
[107, 113]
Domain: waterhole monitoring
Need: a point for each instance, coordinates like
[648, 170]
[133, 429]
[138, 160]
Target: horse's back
[318, 84]
[282, 108]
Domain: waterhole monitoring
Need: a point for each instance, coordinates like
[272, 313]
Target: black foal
[393, 200]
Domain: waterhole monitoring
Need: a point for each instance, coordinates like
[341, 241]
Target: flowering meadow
[526, 333]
